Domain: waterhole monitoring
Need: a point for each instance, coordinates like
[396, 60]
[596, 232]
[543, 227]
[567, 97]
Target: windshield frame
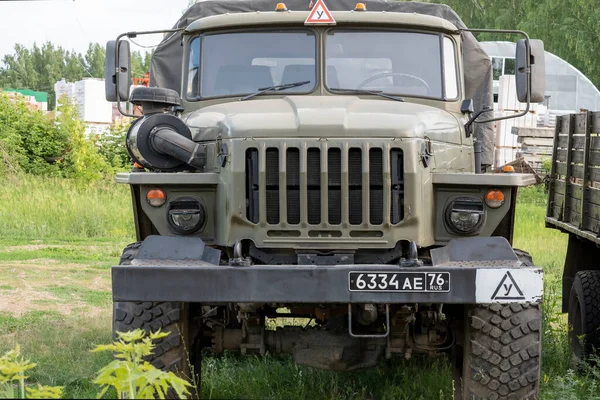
[441, 35]
[283, 28]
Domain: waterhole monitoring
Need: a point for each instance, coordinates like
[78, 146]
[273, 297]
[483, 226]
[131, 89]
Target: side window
[497, 67]
[194, 69]
[509, 66]
[450, 78]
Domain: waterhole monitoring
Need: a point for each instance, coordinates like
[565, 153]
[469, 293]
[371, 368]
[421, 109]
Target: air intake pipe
[162, 142]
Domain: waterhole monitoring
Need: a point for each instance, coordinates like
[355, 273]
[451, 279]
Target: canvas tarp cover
[165, 69]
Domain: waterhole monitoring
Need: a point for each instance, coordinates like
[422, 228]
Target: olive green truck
[327, 161]
[574, 208]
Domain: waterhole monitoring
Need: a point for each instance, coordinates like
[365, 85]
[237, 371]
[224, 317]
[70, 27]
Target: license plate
[418, 282]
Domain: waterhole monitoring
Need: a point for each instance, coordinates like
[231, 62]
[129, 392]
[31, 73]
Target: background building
[35, 100]
[88, 95]
[568, 89]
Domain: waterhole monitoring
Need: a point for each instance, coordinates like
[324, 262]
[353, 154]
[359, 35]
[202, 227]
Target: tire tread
[169, 353]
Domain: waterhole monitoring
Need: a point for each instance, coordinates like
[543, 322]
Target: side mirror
[122, 66]
[537, 82]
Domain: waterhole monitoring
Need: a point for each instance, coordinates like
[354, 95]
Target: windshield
[235, 64]
[403, 63]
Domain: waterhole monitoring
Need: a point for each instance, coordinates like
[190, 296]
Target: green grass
[277, 377]
[67, 254]
[39, 208]
[60, 348]
[92, 297]
[79, 233]
[12, 324]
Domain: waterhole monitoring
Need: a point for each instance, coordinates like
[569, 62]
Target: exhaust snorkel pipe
[163, 142]
[168, 142]
[159, 140]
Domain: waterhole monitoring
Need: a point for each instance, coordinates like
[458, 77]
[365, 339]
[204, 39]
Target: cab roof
[258, 18]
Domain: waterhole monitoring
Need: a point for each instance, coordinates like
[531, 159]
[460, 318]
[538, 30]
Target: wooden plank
[591, 224]
[555, 211]
[593, 195]
[523, 131]
[586, 167]
[580, 123]
[553, 175]
[534, 141]
[577, 172]
[536, 150]
[564, 124]
[579, 141]
[577, 156]
[574, 189]
[568, 186]
[596, 121]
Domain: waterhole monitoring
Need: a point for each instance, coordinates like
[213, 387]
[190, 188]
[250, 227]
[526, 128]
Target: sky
[73, 24]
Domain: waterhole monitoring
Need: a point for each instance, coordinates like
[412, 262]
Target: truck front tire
[170, 352]
[502, 352]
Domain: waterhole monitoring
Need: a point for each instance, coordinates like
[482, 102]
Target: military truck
[574, 208]
[327, 161]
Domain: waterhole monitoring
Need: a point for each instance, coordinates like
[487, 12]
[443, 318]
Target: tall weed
[34, 207]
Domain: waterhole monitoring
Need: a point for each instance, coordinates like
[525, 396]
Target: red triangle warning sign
[320, 14]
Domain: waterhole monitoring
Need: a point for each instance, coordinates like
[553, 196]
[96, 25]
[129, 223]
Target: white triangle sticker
[320, 14]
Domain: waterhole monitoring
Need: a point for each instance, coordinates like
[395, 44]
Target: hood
[320, 116]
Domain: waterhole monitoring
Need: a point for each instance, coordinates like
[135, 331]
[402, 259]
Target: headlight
[465, 215]
[186, 215]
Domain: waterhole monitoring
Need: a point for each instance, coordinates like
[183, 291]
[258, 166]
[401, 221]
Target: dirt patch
[23, 300]
[34, 247]
[32, 280]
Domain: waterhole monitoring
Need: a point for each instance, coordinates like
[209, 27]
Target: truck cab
[331, 170]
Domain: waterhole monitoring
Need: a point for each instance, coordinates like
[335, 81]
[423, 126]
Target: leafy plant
[82, 160]
[546, 165]
[112, 147]
[131, 376]
[52, 144]
[12, 373]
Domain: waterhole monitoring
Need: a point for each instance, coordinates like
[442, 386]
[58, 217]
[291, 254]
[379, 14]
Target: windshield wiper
[365, 91]
[275, 88]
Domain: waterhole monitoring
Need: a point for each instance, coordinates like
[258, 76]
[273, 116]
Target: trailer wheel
[502, 352]
[584, 314]
[170, 352]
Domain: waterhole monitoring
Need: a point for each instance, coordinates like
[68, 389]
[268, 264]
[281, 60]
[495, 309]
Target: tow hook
[238, 259]
[413, 257]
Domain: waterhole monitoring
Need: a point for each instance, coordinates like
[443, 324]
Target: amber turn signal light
[494, 198]
[156, 197]
[281, 7]
[360, 7]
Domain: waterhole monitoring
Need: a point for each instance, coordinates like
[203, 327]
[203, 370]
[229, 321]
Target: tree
[94, 60]
[569, 28]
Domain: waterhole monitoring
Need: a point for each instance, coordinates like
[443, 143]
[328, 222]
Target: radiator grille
[334, 189]
[350, 180]
[272, 181]
[313, 181]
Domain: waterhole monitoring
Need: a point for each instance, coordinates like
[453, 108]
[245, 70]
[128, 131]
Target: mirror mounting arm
[528, 72]
[473, 118]
[132, 35]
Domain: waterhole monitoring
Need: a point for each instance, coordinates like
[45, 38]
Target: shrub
[82, 160]
[12, 373]
[52, 144]
[131, 376]
[112, 147]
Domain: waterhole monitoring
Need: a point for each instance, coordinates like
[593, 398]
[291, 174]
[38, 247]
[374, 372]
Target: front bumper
[469, 284]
